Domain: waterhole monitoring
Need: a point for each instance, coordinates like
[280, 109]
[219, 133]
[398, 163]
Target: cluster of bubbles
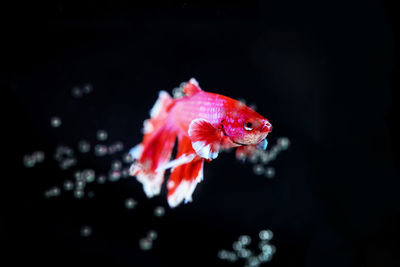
[177, 92]
[78, 91]
[32, 159]
[146, 243]
[261, 158]
[241, 250]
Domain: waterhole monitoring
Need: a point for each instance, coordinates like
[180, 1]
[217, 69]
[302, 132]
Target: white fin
[136, 151]
[163, 98]
[177, 162]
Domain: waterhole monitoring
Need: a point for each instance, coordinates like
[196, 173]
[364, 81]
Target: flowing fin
[184, 177]
[156, 147]
[192, 87]
[205, 138]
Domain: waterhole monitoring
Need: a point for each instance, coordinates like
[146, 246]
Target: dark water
[322, 73]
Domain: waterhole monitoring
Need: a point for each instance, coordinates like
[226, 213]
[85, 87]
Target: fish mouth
[238, 143]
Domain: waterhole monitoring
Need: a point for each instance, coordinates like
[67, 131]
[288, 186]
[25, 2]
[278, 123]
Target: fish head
[244, 126]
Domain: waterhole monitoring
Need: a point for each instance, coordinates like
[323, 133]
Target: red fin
[191, 87]
[184, 178]
[156, 147]
[205, 138]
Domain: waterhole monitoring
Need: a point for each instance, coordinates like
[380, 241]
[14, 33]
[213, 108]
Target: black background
[323, 72]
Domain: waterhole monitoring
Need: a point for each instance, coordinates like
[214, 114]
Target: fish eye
[248, 126]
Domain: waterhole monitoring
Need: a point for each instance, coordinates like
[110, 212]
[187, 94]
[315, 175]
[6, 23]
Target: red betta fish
[204, 124]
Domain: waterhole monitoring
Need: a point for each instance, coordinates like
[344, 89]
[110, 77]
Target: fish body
[204, 123]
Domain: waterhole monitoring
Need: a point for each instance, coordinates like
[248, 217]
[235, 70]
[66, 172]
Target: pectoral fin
[205, 138]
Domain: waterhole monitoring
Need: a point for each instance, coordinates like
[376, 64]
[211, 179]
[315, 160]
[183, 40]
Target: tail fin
[184, 178]
[156, 147]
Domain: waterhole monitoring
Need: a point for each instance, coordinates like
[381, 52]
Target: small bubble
[232, 257]
[29, 161]
[253, 158]
[86, 231]
[127, 158]
[223, 254]
[52, 192]
[38, 156]
[270, 172]
[101, 135]
[145, 244]
[253, 261]
[90, 194]
[265, 247]
[67, 163]
[116, 165]
[119, 146]
[237, 246]
[264, 257]
[101, 179]
[125, 172]
[159, 211]
[80, 184]
[87, 88]
[89, 175]
[244, 253]
[68, 185]
[266, 235]
[78, 193]
[130, 203]
[284, 143]
[55, 122]
[258, 169]
[100, 150]
[83, 146]
[152, 235]
[244, 240]
[114, 175]
[76, 92]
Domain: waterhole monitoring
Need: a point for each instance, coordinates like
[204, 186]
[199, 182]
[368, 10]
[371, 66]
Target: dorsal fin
[191, 87]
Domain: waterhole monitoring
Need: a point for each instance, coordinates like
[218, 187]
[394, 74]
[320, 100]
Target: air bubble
[270, 172]
[244, 253]
[29, 161]
[90, 194]
[55, 122]
[264, 257]
[79, 193]
[83, 146]
[114, 175]
[89, 175]
[100, 150]
[86, 231]
[76, 92]
[87, 88]
[67, 163]
[130, 203]
[258, 169]
[52, 192]
[101, 135]
[116, 165]
[125, 173]
[244, 240]
[266, 235]
[68, 185]
[127, 158]
[152, 235]
[159, 211]
[38, 156]
[101, 179]
[223, 254]
[145, 244]
[284, 143]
